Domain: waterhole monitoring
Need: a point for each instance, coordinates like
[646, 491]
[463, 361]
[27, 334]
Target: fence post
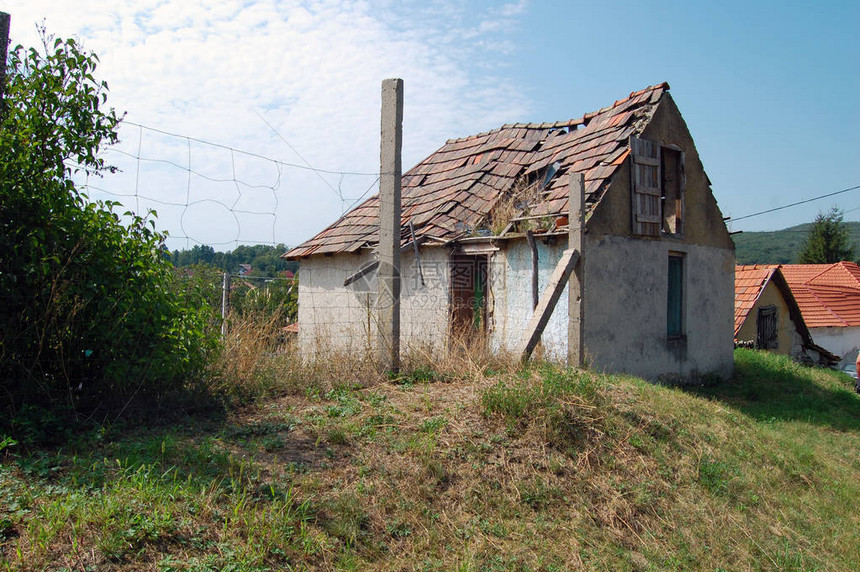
[225, 302]
[388, 300]
[4, 52]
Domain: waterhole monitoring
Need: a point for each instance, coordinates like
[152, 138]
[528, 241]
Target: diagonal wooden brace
[547, 303]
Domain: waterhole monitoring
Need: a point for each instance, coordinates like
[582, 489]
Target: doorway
[468, 317]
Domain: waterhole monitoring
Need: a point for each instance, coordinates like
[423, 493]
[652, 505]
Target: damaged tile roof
[453, 191]
[828, 294]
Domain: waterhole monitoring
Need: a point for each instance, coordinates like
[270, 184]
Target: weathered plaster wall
[511, 290]
[625, 306]
[627, 277]
[789, 341]
[839, 341]
[334, 317]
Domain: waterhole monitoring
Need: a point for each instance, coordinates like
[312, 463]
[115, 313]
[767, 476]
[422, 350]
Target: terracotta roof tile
[828, 294]
[462, 181]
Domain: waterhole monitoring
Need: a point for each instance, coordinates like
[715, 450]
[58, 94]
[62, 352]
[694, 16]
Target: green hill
[780, 246]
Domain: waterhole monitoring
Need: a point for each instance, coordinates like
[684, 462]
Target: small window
[658, 184]
[766, 328]
[675, 298]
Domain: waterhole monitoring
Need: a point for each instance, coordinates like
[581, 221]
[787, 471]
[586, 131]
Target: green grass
[538, 468]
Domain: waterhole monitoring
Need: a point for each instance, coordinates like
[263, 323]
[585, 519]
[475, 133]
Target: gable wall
[626, 276]
[703, 222]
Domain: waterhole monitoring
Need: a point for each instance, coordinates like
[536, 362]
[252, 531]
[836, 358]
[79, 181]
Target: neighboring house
[767, 315]
[244, 269]
[657, 260]
[828, 296]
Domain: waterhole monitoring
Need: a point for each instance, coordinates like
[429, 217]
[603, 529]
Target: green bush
[90, 314]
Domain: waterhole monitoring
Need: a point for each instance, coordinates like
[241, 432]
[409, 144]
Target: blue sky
[767, 90]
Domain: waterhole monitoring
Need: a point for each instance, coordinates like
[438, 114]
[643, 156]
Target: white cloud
[312, 69]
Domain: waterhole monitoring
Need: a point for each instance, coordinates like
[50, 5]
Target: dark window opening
[675, 298]
[766, 328]
[468, 296]
[671, 190]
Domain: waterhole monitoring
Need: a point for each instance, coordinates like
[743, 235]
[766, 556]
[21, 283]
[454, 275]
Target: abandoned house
[768, 317]
[485, 222]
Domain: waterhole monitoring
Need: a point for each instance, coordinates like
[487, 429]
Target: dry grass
[514, 204]
[471, 464]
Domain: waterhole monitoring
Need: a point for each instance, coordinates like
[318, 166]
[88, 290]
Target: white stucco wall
[625, 305]
[334, 317]
[511, 295]
[839, 341]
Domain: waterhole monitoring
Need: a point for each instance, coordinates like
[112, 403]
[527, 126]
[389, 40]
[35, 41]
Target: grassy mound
[535, 468]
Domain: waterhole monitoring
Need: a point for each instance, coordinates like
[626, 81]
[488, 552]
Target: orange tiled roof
[828, 294]
[749, 284]
[451, 192]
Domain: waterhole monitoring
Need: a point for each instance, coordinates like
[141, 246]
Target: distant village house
[767, 316]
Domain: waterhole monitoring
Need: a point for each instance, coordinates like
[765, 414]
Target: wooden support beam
[547, 303]
[530, 237]
[363, 271]
[576, 290]
[371, 266]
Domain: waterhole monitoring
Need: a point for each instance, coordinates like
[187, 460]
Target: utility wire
[307, 167]
[275, 131]
[854, 188]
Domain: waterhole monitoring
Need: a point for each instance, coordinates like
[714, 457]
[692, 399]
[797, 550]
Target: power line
[854, 188]
[275, 131]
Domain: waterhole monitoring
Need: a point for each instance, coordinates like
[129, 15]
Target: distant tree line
[265, 260]
[797, 244]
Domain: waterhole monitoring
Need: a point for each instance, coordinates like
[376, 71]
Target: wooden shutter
[645, 179]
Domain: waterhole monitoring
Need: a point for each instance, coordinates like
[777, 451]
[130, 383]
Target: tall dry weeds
[259, 360]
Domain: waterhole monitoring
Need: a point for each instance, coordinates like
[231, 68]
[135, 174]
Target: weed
[432, 425]
[716, 475]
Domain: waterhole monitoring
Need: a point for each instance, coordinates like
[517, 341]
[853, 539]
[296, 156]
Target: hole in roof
[550, 172]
